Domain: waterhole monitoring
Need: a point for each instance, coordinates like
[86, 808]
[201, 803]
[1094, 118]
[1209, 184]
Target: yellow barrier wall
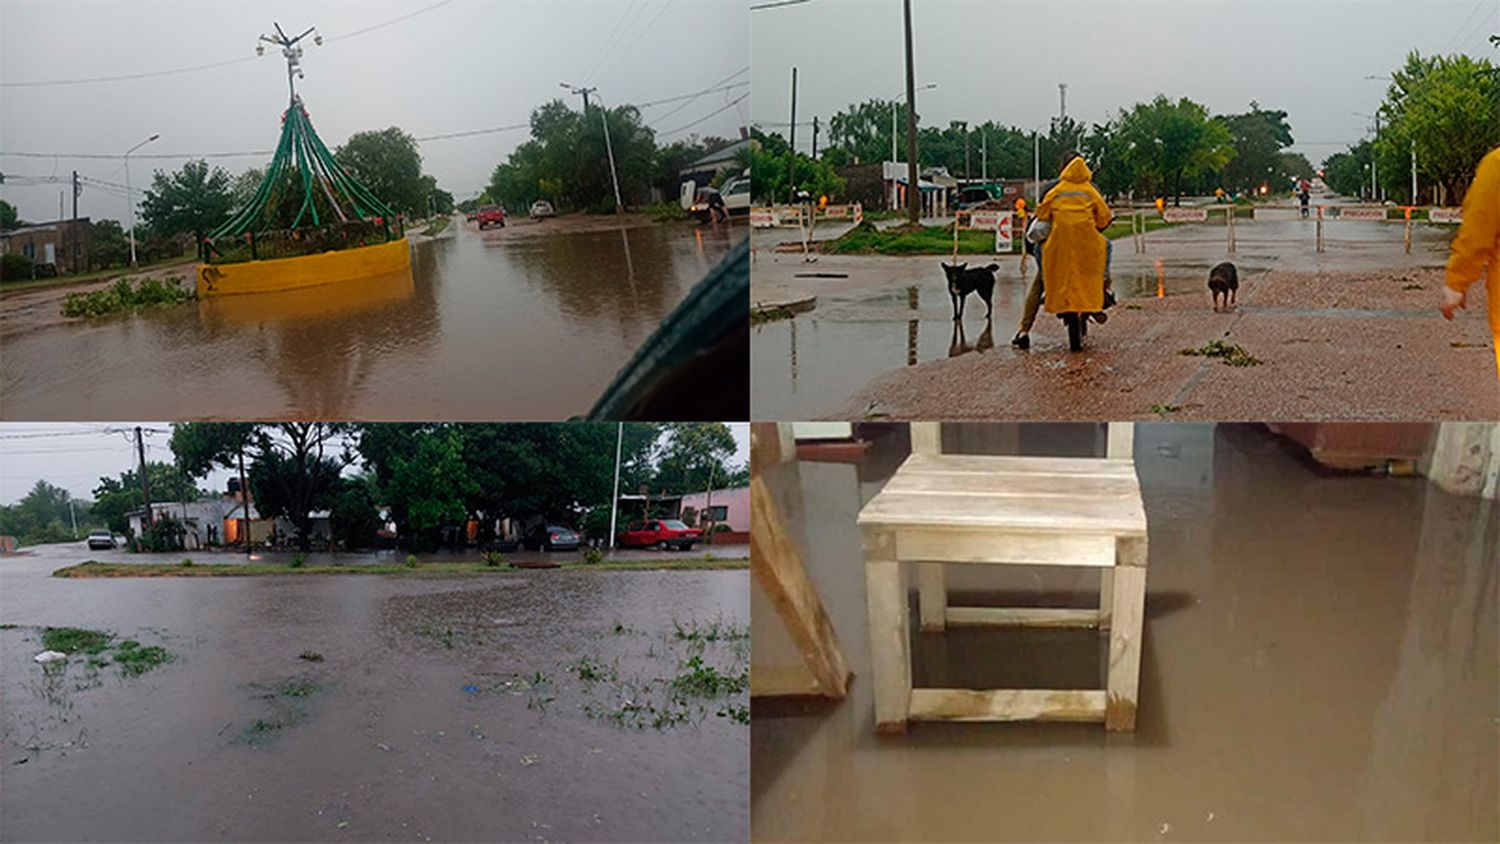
[276, 274]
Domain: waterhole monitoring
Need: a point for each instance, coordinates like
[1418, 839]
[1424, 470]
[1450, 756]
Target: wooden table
[972, 510]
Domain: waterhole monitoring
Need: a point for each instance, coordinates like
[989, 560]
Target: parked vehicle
[101, 539]
[664, 534]
[735, 196]
[542, 208]
[490, 215]
[471, 216]
[551, 538]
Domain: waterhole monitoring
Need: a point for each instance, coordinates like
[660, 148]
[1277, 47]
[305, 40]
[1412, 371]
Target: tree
[1258, 137]
[387, 162]
[1348, 172]
[245, 185]
[8, 218]
[354, 520]
[294, 469]
[194, 200]
[1166, 142]
[115, 498]
[1447, 109]
[566, 162]
[109, 246]
[43, 516]
[430, 486]
[771, 159]
[863, 130]
[694, 453]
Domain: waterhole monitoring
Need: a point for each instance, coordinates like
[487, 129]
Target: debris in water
[343, 824]
[530, 759]
[1165, 828]
[49, 656]
[472, 689]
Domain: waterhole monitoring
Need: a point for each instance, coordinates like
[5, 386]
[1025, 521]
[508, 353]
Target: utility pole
[966, 152]
[913, 184]
[708, 502]
[72, 516]
[140, 449]
[815, 138]
[73, 229]
[1413, 172]
[245, 500]
[1062, 101]
[609, 148]
[791, 177]
[984, 155]
[1036, 165]
[614, 495]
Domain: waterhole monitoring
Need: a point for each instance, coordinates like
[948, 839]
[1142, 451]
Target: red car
[490, 215]
[663, 533]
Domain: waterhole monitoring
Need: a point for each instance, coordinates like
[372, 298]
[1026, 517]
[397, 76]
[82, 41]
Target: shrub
[15, 267]
[297, 561]
[592, 556]
[122, 296]
[494, 559]
[411, 561]
[186, 562]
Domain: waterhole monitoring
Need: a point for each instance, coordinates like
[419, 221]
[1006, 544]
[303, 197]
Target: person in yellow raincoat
[1073, 255]
[1476, 249]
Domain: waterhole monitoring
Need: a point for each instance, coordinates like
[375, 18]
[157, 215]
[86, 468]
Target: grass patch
[699, 679]
[298, 688]
[1230, 353]
[136, 659]
[310, 656]
[591, 670]
[865, 239]
[71, 640]
[93, 568]
[123, 296]
[714, 631]
[736, 712]
[436, 228]
[667, 212]
[1164, 409]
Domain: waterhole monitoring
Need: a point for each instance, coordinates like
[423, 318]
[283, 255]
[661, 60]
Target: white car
[542, 208]
[735, 196]
[100, 540]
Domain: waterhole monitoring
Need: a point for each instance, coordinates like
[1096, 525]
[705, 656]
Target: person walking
[1476, 249]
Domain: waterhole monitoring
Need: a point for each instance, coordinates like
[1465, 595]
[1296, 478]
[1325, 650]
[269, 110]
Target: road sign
[1445, 215]
[984, 220]
[762, 218]
[1185, 215]
[1356, 213]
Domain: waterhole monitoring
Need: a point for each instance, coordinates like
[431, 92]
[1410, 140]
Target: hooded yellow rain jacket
[1073, 254]
[1476, 249]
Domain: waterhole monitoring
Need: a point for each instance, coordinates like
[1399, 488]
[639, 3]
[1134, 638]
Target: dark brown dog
[1224, 280]
[962, 281]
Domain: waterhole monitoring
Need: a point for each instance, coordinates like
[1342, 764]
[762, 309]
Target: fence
[290, 243]
[1228, 215]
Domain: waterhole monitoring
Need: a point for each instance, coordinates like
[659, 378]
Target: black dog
[962, 281]
[1223, 280]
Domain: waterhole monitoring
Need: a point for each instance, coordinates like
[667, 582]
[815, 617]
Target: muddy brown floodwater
[1319, 664]
[485, 326]
[559, 705]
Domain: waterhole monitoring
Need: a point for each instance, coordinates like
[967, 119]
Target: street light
[608, 147]
[130, 195]
[1374, 168]
[929, 86]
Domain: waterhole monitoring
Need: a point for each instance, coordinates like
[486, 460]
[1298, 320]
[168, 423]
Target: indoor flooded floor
[1319, 664]
[482, 328]
[557, 705]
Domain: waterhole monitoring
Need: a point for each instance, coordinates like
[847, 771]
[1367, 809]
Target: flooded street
[556, 705]
[493, 326]
[1319, 664]
[889, 313]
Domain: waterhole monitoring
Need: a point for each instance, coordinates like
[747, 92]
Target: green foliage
[193, 200]
[42, 516]
[1258, 137]
[866, 239]
[293, 474]
[429, 487]
[71, 640]
[1165, 142]
[8, 217]
[667, 212]
[1348, 172]
[109, 245]
[387, 162]
[411, 561]
[1230, 353]
[566, 162]
[771, 163]
[298, 560]
[1447, 108]
[354, 519]
[123, 296]
[494, 559]
[592, 556]
[163, 534]
[16, 267]
[114, 497]
[861, 133]
[694, 455]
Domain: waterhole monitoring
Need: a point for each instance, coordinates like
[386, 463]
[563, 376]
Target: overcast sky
[459, 65]
[76, 456]
[1003, 61]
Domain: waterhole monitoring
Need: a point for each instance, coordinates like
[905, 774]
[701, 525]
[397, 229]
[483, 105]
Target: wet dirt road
[486, 326]
[1319, 664]
[533, 706]
[871, 343]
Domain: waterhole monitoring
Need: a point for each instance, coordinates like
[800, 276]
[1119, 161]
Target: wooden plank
[769, 445]
[1121, 441]
[1014, 484]
[1125, 647]
[1079, 705]
[777, 564]
[991, 464]
[1131, 551]
[950, 545]
[1118, 514]
[932, 596]
[783, 681]
[1022, 617]
[890, 656]
[1106, 598]
[926, 438]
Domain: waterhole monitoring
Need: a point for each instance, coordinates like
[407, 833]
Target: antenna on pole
[292, 52]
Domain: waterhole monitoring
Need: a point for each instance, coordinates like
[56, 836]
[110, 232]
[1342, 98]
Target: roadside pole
[913, 182]
[791, 169]
[610, 150]
[708, 503]
[614, 494]
[140, 449]
[245, 500]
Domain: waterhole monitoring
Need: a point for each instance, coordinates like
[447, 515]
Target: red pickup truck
[663, 533]
[490, 215]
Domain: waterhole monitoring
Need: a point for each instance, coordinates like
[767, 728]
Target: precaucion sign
[1362, 213]
[1184, 215]
[1445, 215]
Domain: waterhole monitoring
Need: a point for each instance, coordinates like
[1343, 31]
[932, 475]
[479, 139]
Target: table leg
[1129, 602]
[889, 637]
[1106, 598]
[932, 597]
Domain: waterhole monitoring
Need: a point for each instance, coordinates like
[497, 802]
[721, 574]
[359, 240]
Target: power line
[690, 99]
[1464, 27]
[727, 106]
[608, 43]
[125, 77]
[627, 50]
